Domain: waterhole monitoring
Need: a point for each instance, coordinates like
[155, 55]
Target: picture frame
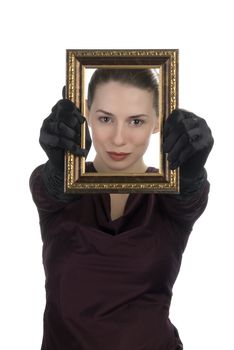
[79, 62]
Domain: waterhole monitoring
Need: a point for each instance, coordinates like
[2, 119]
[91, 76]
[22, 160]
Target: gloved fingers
[63, 104]
[62, 130]
[54, 141]
[183, 156]
[67, 106]
[186, 153]
[71, 146]
[79, 118]
[64, 92]
[51, 132]
[66, 111]
[48, 140]
[207, 137]
[177, 116]
[173, 155]
[69, 119]
[72, 120]
[185, 147]
[172, 137]
[183, 127]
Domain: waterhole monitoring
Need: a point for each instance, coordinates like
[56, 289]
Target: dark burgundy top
[109, 283]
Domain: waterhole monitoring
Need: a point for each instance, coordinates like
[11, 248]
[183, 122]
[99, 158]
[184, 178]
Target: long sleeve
[181, 212]
[41, 197]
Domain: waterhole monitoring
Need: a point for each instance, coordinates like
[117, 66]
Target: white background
[34, 37]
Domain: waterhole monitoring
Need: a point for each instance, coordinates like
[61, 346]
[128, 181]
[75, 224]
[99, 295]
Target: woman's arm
[188, 142]
[61, 132]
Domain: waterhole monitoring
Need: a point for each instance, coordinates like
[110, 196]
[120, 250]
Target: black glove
[188, 142]
[60, 132]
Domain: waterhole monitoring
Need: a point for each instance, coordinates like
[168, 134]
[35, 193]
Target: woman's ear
[156, 129]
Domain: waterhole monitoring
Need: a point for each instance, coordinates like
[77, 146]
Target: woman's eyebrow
[131, 116]
[138, 115]
[105, 112]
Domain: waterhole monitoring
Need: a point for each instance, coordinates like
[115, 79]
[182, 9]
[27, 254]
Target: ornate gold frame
[76, 179]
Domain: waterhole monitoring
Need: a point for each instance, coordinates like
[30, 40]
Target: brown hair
[143, 78]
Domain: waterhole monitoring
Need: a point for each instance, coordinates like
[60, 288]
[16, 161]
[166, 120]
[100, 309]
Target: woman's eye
[105, 119]
[137, 122]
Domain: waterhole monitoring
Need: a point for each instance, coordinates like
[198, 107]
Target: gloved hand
[61, 132]
[188, 142]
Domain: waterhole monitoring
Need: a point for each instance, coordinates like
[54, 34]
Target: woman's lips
[118, 156]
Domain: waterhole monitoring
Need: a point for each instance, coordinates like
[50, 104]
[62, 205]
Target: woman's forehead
[113, 91]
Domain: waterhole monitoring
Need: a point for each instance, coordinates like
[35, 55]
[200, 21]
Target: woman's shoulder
[89, 167]
[151, 169]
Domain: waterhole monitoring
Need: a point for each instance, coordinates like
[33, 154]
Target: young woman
[111, 260]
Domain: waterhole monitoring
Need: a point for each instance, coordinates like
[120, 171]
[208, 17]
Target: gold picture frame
[76, 179]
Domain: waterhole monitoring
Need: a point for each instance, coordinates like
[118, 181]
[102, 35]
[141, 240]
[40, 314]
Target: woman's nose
[119, 135]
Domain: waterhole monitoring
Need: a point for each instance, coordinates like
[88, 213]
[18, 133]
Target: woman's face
[122, 119]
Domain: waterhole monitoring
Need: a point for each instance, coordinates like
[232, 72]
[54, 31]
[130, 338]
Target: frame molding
[76, 180]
